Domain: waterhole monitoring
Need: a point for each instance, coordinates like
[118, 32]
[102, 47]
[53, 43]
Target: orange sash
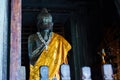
[53, 57]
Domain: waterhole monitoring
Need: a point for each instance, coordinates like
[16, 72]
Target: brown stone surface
[15, 40]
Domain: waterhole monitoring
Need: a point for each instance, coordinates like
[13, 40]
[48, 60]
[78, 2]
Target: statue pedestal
[44, 73]
[65, 72]
[107, 72]
[23, 73]
[86, 73]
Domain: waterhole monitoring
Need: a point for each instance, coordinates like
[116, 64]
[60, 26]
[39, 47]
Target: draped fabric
[53, 57]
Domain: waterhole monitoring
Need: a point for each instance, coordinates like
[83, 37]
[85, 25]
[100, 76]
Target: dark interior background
[81, 22]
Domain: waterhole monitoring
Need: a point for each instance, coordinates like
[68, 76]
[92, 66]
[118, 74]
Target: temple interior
[89, 25]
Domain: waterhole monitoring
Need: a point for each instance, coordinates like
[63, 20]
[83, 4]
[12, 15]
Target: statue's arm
[31, 46]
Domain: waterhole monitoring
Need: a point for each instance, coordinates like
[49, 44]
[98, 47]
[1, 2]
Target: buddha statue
[46, 48]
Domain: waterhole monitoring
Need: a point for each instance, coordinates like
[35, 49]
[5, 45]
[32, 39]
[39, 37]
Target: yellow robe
[53, 57]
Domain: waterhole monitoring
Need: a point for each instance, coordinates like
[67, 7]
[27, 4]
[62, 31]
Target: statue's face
[46, 20]
[45, 23]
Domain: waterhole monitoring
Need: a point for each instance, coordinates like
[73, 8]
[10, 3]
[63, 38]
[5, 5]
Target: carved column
[15, 40]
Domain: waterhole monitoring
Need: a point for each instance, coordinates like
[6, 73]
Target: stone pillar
[3, 38]
[15, 40]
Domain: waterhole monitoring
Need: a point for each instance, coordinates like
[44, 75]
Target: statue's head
[44, 20]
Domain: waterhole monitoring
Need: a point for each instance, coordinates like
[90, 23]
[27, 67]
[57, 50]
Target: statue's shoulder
[64, 41]
[58, 36]
[33, 37]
